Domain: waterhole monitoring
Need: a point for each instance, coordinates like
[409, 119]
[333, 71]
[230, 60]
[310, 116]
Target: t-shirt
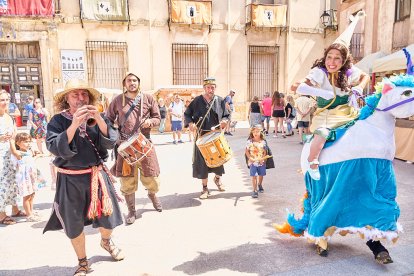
[12, 108]
[267, 106]
[254, 107]
[28, 108]
[177, 109]
[287, 107]
[229, 100]
[256, 150]
[302, 104]
[163, 112]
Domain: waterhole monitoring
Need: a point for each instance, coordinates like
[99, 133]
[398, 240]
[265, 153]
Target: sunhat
[74, 84]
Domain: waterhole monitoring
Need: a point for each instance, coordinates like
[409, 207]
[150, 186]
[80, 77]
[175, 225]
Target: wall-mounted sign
[73, 64]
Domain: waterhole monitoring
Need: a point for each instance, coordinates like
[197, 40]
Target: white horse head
[372, 136]
[397, 94]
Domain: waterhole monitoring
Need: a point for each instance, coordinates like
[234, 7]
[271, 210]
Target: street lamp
[328, 21]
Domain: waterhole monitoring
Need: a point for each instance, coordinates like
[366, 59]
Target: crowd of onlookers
[287, 114]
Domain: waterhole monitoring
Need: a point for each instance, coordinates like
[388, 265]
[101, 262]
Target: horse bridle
[388, 107]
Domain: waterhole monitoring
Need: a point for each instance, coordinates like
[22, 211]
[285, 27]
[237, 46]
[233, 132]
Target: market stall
[404, 128]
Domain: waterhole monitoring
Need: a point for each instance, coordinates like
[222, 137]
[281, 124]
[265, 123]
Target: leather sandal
[83, 267]
[115, 251]
[7, 221]
[19, 214]
[218, 183]
[383, 258]
[205, 193]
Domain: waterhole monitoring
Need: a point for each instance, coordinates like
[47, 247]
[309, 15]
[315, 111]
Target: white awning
[367, 62]
[393, 62]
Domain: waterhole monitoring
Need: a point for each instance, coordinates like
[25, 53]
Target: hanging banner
[27, 7]
[191, 12]
[269, 15]
[105, 10]
[73, 64]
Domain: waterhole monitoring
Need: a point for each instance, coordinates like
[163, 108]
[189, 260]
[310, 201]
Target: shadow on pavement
[43, 270]
[271, 258]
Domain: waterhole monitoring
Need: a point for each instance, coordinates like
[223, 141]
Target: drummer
[199, 117]
[134, 112]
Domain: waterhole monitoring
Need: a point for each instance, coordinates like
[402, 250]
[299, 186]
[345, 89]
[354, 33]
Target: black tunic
[195, 113]
[73, 194]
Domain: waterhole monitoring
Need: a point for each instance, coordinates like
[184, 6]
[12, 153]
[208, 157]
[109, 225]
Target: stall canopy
[367, 62]
[392, 62]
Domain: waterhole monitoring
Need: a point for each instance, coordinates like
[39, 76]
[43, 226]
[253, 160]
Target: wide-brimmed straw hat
[74, 84]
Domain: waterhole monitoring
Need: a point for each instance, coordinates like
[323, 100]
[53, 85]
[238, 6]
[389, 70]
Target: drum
[214, 148]
[135, 148]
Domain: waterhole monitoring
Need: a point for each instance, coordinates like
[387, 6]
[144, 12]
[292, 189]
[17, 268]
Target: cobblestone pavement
[227, 234]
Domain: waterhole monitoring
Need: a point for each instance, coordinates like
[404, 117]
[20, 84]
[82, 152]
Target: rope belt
[96, 207]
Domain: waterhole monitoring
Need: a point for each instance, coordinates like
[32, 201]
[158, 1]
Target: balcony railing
[357, 46]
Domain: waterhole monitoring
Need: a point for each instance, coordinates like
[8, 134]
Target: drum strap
[205, 116]
[133, 105]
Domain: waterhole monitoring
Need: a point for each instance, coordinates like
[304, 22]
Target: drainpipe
[287, 65]
[151, 50]
[228, 45]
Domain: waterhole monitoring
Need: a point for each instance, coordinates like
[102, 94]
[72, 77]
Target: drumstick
[214, 127]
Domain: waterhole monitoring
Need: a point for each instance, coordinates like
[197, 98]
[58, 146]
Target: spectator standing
[290, 114]
[8, 187]
[303, 106]
[13, 108]
[255, 112]
[230, 108]
[28, 108]
[177, 112]
[267, 111]
[278, 107]
[163, 114]
[38, 120]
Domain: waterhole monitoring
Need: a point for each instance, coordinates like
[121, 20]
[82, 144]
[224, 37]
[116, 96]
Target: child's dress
[28, 178]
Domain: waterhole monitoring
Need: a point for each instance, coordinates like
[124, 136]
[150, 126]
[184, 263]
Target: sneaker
[274, 136]
[174, 142]
[261, 188]
[180, 141]
[33, 218]
[229, 133]
[255, 194]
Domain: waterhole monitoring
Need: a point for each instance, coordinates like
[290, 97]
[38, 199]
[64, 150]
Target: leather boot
[155, 202]
[130, 201]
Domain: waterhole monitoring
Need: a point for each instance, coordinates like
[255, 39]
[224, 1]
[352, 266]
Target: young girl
[27, 176]
[257, 152]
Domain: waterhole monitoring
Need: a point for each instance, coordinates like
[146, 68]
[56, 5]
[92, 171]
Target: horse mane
[373, 100]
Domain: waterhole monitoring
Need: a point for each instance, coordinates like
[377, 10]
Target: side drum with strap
[214, 148]
[135, 148]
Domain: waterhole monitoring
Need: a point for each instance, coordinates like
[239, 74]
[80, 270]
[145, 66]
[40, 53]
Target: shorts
[176, 126]
[303, 124]
[265, 118]
[278, 114]
[258, 170]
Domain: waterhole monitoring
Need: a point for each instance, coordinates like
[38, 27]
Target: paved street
[228, 234]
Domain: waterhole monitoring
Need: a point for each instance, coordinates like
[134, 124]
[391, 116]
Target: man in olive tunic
[144, 115]
[85, 194]
[199, 117]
